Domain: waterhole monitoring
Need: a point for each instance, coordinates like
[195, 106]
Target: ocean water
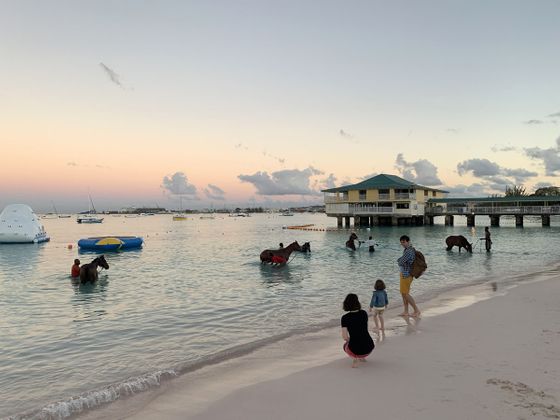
[197, 293]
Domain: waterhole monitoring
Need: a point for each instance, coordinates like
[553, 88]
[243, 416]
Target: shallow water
[197, 291]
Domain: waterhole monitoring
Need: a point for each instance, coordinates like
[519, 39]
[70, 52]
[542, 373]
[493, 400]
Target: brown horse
[459, 241]
[350, 242]
[88, 272]
[267, 254]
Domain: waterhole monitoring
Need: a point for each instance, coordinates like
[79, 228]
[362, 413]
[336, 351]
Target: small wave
[96, 398]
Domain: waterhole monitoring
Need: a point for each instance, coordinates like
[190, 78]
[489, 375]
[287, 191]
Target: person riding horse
[88, 272]
[268, 254]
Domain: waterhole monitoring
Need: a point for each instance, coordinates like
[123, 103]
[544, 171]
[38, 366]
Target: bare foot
[404, 314]
[416, 314]
[354, 363]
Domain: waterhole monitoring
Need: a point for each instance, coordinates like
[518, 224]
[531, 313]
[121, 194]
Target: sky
[231, 103]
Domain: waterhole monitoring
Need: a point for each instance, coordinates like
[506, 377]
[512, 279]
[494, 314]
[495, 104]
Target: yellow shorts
[405, 284]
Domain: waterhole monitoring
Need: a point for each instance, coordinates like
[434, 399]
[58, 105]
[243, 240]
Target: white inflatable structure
[19, 224]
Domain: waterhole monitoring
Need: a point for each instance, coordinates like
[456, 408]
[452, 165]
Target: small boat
[239, 215]
[179, 217]
[286, 213]
[89, 218]
[19, 224]
[110, 243]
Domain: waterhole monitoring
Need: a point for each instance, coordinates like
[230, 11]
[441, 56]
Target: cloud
[494, 173]
[279, 159]
[285, 182]
[113, 77]
[473, 190]
[452, 130]
[507, 148]
[178, 184]
[533, 122]
[72, 164]
[330, 181]
[422, 171]
[347, 136]
[550, 157]
[213, 192]
[479, 167]
[556, 114]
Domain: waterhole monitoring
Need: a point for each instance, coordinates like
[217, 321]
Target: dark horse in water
[284, 253]
[88, 272]
[306, 247]
[350, 242]
[459, 241]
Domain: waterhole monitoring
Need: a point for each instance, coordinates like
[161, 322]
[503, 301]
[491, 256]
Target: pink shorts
[352, 355]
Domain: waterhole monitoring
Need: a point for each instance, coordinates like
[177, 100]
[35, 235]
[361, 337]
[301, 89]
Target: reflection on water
[194, 288]
[89, 299]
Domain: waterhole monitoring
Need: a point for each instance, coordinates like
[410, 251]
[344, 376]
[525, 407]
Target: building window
[425, 193]
[362, 195]
[403, 205]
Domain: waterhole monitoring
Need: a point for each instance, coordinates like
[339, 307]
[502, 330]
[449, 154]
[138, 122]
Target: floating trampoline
[110, 243]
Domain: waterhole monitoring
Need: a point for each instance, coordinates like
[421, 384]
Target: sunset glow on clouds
[259, 103]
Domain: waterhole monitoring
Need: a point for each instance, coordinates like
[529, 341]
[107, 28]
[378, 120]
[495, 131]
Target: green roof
[382, 181]
[510, 199]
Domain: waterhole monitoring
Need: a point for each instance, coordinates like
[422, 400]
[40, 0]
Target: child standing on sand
[379, 302]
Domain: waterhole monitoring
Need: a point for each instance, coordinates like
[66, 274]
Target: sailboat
[90, 216]
[60, 216]
[179, 217]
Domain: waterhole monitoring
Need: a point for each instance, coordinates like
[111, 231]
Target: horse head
[353, 237]
[306, 247]
[101, 261]
[468, 247]
[294, 246]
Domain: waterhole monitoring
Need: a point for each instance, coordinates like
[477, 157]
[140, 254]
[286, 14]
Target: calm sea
[197, 293]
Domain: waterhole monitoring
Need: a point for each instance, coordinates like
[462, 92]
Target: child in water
[379, 302]
[76, 268]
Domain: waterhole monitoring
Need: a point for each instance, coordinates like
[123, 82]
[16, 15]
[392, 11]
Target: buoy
[69, 246]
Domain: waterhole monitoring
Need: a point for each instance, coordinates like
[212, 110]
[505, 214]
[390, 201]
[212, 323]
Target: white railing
[365, 210]
[535, 210]
[403, 196]
[384, 196]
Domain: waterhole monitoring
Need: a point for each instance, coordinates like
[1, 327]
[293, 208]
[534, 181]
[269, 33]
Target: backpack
[418, 265]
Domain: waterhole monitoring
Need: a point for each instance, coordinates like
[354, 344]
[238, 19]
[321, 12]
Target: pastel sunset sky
[264, 103]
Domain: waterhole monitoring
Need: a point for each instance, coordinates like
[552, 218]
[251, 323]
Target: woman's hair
[379, 285]
[351, 303]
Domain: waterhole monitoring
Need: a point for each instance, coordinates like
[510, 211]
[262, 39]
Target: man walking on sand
[405, 265]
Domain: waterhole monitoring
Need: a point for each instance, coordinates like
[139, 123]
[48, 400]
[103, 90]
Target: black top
[357, 324]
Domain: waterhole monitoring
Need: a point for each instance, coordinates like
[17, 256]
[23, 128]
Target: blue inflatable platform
[110, 243]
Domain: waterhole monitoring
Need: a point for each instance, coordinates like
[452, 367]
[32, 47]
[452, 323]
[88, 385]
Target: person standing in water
[370, 243]
[487, 240]
[75, 272]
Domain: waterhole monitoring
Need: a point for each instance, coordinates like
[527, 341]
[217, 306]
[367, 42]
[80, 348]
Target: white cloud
[285, 182]
[213, 192]
[422, 171]
[178, 184]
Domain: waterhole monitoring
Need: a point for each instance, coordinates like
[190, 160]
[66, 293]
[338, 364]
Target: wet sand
[486, 351]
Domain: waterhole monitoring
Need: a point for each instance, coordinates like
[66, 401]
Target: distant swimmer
[76, 269]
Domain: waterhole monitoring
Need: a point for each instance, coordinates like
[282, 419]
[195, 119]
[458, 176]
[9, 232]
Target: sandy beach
[487, 351]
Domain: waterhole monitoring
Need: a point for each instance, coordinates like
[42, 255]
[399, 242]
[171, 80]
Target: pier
[494, 208]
